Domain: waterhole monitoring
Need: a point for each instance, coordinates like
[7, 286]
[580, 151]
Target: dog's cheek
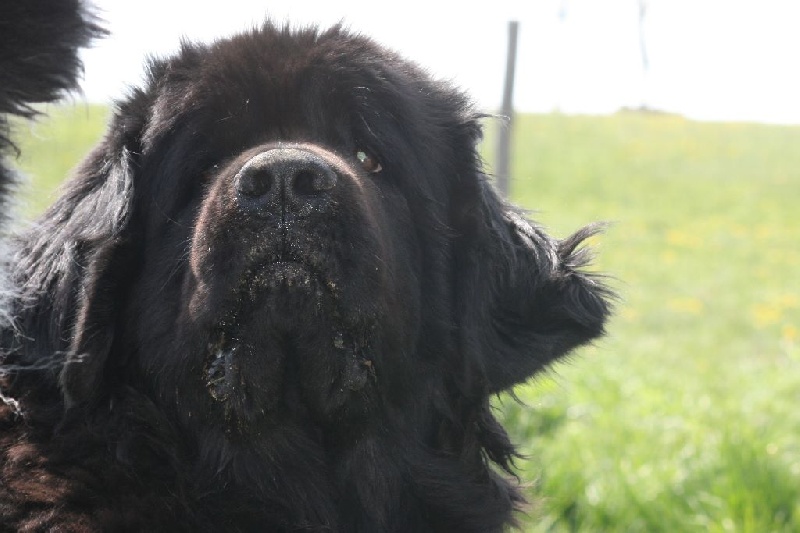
[403, 300]
[207, 234]
[214, 257]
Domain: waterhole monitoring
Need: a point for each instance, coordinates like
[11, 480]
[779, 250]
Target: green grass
[685, 417]
[50, 148]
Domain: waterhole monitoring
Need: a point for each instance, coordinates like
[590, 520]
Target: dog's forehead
[294, 66]
[281, 84]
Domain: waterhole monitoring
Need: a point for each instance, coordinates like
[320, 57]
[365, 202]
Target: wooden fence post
[503, 164]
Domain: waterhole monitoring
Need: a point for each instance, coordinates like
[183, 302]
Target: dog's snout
[291, 178]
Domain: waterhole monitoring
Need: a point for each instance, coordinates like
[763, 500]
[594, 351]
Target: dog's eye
[369, 162]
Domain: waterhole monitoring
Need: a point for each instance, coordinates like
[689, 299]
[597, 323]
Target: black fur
[39, 42]
[278, 296]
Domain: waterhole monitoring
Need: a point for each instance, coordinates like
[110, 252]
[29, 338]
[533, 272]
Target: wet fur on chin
[277, 296]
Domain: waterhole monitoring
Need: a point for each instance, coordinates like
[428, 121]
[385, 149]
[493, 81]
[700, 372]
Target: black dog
[277, 297]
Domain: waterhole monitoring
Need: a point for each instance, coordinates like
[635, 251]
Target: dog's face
[292, 229]
[295, 212]
[300, 277]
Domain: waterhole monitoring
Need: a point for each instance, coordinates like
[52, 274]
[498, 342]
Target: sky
[721, 60]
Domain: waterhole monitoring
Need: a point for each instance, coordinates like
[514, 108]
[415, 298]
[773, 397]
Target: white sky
[709, 59]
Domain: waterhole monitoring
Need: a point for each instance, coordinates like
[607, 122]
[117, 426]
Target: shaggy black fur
[278, 296]
[39, 41]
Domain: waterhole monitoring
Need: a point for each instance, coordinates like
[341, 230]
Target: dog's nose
[291, 179]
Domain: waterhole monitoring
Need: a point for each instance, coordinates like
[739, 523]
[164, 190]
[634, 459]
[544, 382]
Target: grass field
[52, 146]
[685, 417]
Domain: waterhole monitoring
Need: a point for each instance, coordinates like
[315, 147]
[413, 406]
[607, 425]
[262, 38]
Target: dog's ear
[523, 299]
[75, 259]
[105, 246]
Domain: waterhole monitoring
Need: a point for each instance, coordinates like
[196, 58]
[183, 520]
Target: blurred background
[675, 120]
[705, 59]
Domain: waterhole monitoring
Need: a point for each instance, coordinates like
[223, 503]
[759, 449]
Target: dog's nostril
[305, 183]
[312, 181]
[289, 177]
[254, 182]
